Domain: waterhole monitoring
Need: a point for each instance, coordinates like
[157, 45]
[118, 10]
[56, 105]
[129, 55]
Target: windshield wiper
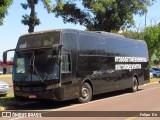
[34, 68]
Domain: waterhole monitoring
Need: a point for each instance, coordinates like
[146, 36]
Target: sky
[13, 28]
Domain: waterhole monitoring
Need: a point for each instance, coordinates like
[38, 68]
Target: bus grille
[32, 89]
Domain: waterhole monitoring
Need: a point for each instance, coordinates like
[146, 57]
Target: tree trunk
[32, 17]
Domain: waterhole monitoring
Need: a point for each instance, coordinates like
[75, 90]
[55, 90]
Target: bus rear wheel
[134, 87]
[86, 93]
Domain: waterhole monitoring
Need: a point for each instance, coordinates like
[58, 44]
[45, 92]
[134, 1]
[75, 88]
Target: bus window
[66, 62]
[20, 65]
[56, 71]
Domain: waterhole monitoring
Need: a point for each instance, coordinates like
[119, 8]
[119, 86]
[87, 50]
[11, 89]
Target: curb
[151, 83]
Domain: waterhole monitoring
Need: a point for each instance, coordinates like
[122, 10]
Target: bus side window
[56, 71]
[66, 62]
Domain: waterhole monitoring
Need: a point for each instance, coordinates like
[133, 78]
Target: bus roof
[103, 33]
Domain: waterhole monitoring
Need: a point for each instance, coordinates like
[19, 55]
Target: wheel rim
[135, 84]
[85, 93]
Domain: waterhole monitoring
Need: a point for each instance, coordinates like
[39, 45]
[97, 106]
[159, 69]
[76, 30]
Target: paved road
[146, 99]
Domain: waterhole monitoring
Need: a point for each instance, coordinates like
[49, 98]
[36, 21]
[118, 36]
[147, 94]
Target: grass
[152, 80]
[6, 76]
[7, 101]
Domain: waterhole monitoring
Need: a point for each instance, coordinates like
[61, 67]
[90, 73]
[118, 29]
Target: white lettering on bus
[130, 59]
[127, 66]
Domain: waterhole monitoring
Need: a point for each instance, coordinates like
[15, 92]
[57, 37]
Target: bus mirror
[57, 47]
[5, 57]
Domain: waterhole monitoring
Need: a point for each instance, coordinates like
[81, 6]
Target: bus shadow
[48, 105]
[112, 94]
[42, 105]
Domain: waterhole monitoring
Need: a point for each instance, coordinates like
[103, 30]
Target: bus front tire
[85, 93]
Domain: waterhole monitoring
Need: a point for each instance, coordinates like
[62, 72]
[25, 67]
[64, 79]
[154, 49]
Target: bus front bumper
[54, 94]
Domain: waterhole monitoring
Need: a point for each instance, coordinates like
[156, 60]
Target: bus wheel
[86, 93]
[134, 87]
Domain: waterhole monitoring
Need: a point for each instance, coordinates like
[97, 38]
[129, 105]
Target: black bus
[65, 64]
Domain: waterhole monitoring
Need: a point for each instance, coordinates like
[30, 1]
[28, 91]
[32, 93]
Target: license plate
[32, 96]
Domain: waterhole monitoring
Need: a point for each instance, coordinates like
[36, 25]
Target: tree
[133, 34]
[103, 15]
[4, 4]
[32, 20]
[152, 37]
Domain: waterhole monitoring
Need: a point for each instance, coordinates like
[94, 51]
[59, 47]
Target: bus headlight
[17, 88]
[49, 87]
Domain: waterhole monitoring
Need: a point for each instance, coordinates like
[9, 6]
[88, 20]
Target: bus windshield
[39, 40]
[35, 65]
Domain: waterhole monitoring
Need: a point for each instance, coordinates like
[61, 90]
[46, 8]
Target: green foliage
[4, 4]
[101, 15]
[47, 5]
[152, 37]
[7, 101]
[153, 80]
[133, 34]
[28, 4]
[76, 16]
[27, 19]
[32, 20]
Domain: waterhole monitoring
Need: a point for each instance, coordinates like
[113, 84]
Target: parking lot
[8, 79]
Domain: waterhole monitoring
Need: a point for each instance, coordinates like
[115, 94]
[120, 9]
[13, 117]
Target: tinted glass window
[114, 46]
[87, 44]
[124, 47]
[37, 64]
[39, 40]
[66, 62]
[102, 47]
[111, 46]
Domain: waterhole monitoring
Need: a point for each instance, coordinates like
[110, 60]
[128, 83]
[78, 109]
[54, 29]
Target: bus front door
[66, 76]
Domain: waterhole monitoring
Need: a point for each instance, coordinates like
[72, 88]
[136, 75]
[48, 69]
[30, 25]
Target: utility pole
[145, 19]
